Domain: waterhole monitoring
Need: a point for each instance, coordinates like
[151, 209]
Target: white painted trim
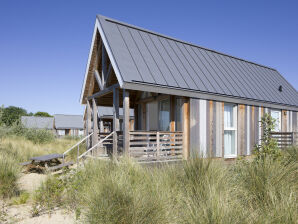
[203, 127]
[235, 128]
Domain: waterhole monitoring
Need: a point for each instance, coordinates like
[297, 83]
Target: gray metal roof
[108, 111]
[145, 57]
[63, 121]
[38, 122]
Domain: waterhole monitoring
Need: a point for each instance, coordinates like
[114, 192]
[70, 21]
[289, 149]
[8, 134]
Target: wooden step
[52, 168]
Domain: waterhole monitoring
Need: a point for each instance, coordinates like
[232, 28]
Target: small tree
[268, 146]
[11, 114]
[42, 114]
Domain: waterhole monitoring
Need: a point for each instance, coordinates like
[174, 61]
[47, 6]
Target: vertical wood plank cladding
[257, 125]
[295, 122]
[261, 111]
[222, 128]
[283, 120]
[212, 133]
[194, 127]
[143, 116]
[241, 129]
[186, 134]
[208, 131]
[203, 128]
[248, 127]
[252, 127]
[219, 129]
[214, 136]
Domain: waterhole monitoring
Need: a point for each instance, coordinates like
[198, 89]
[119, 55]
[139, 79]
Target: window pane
[152, 119]
[164, 115]
[179, 115]
[229, 139]
[228, 116]
[276, 115]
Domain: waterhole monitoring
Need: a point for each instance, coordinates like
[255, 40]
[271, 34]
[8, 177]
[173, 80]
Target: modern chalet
[187, 100]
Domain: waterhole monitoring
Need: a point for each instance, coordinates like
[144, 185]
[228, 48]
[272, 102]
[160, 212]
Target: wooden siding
[241, 130]
[207, 127]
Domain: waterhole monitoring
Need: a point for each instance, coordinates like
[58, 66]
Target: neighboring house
[186, 99]
[38, 122]
[68, 125]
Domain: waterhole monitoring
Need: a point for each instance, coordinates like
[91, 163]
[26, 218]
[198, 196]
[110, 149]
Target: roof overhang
[88, 72]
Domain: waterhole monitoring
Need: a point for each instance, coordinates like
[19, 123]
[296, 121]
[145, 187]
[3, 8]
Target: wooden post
[115, 119]
[125, 121]
[95, 123]
[101, 127]
[88, 125]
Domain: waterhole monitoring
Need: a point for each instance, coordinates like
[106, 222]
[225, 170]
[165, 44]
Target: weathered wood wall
[207, 127]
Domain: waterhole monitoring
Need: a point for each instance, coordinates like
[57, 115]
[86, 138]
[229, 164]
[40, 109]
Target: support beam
[104, 65]
[88, 124]
[98, 79]
[95, 123]
[125, 121]
[104, 92]
[115, 119]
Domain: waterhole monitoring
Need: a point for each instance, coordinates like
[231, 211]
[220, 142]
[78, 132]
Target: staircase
[90, 153]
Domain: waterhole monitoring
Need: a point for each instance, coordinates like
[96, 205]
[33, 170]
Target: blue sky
[44, 44]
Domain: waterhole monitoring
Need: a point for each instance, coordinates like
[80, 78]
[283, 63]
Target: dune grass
[194, 191]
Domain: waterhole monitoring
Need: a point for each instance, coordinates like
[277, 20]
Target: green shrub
[21, 199]
[39, 136]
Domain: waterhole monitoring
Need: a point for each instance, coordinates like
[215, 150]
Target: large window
[230, 130]
[164, 115]
[276, 114]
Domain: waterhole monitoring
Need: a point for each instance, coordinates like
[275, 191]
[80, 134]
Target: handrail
[101, 141]
[78, 143]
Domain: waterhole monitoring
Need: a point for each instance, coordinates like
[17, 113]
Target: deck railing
[148, 146]
[284, 139]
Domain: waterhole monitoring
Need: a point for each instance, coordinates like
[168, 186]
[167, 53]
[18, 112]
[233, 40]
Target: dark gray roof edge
[178, 40]
[206, 95]
[63, 128]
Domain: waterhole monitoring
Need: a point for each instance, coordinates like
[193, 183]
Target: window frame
[233, 128]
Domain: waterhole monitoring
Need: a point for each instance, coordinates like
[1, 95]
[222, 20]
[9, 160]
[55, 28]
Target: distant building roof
[106, 111]
[63, 121]
[38, 122]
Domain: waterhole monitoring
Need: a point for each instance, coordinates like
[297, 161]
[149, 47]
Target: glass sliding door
[164, 115]
[179, 114]
[152, 116]
[230, 130]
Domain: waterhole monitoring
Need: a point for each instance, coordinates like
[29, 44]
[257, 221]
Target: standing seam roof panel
[259, 81]
[248, 79]
[145, 56]
[269, 84]
[136, 55]
[201, 64]
[158, 61]
[188, 66]
[168, 63]
[237, 79]
[124, 60]
[213, 74]
[202, 71]
[179, 65]
[210, 57]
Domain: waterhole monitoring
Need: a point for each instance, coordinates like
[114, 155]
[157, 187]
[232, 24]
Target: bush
[39, 136]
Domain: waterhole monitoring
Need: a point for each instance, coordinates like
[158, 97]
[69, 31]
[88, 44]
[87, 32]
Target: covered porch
[158, 132]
